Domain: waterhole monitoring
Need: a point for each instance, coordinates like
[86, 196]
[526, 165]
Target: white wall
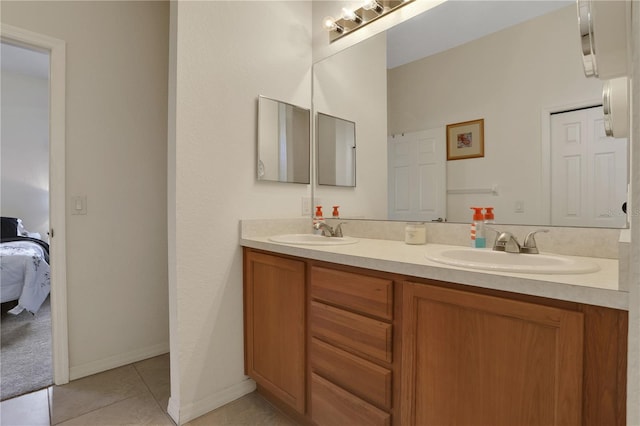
[507, 78]
[116, 132]
[227, 53]
[25, 150]
[352, 85]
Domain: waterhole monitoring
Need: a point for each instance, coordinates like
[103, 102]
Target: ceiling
[20, 60]
[456, 22]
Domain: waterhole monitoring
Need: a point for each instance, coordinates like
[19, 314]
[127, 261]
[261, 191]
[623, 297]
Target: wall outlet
[519, 208]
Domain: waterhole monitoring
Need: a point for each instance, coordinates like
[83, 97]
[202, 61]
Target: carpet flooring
[25, 351]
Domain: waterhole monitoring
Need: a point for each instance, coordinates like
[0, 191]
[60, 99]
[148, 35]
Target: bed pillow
[9, 227]
[22, 231]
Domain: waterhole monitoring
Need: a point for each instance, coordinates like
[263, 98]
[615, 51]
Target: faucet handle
[490, 228]
[497, 235]
[507, 242]
[325, 229]
[529, 245]
[337, 232]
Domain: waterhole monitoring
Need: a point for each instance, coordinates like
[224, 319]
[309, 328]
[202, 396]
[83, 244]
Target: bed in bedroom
[24, 267]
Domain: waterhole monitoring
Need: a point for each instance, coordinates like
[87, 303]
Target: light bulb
[372, 5]
[350, 15]
[330, 24]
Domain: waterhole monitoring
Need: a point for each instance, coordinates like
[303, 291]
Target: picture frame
[465, 140]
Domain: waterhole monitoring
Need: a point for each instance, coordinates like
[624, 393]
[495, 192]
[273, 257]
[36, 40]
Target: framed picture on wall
[465, 140]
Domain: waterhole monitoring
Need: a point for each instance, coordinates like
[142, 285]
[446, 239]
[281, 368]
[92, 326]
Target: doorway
[56, 50]
[26, 348]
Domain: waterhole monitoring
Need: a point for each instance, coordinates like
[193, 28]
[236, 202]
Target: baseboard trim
[198, 408]
[119, 360]
[173, 409]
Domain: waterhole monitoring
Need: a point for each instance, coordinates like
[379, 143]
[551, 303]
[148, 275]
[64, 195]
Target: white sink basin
[312, 240]
[487, 259]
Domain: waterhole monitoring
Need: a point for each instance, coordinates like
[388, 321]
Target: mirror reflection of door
[336, 151]
[588, 171]
[417, 176]
[284, 142]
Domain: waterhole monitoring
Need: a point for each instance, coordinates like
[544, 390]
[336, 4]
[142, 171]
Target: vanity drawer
[346, 329]
[360, 293]
[360, 377]
[331, 406]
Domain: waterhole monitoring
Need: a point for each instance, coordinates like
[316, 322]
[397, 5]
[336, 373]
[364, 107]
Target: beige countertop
[597, 288]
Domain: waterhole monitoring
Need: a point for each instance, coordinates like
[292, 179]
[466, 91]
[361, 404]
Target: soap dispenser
[317, 218]
[335, 214]
[477, 229]
[489, 216]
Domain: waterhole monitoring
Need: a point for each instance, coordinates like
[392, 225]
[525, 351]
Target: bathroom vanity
[374, 334]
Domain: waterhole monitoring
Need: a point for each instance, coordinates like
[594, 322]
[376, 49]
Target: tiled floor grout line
[163, 410]
[92, 411]
[50, 400]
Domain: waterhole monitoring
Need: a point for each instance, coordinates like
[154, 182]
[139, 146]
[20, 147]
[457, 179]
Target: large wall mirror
[514, 64]
[284, 142]
[336, 142]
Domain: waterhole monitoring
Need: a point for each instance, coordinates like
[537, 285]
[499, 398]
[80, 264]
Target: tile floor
[136, 394]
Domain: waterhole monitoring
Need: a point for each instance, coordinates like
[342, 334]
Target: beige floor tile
[156, 375]
[31, 409]
[91, 393]
[250, 410]
[137, 410]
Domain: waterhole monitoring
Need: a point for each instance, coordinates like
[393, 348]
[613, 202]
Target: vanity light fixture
[373, 5]
[351, 20]
[350, 15]
[331, 24]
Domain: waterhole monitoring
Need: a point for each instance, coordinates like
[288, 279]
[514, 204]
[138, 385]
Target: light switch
[79, 204]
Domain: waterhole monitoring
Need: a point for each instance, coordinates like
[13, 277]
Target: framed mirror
[284, 142]
[336, 151]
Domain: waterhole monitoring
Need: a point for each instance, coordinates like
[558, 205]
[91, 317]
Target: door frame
[545, 150]
[57, 187]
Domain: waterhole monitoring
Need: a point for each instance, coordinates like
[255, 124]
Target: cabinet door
[476, 359]
[275, 326]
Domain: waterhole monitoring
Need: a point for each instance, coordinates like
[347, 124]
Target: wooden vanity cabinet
[490, 358]
[350, 348]
[274, 314]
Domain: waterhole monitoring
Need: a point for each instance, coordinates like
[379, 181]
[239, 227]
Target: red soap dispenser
[488, 216]
[317, 218]
[336, 213]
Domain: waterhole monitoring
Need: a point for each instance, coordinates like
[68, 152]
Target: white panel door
[417, 175]
[588, 171]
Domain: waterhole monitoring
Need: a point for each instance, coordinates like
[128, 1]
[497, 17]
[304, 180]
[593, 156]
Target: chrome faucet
[507, 242]
[329, 231]
[529, 245]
